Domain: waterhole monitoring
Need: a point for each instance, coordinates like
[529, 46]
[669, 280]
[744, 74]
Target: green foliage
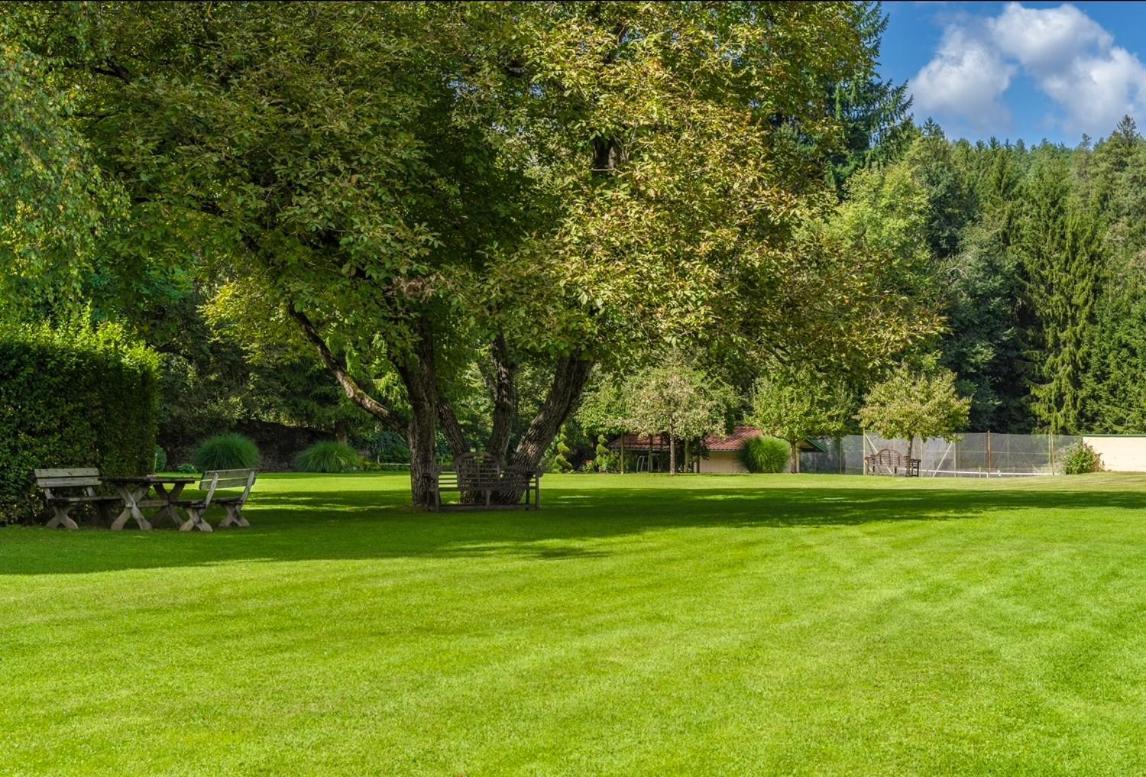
[1081, 459]
[606, 407]
[159, 460]
[915, 403]
[561, 450]
[873, 113]
[603, 458]
[227, 451]
[588, 183]
[677, 399]
[765, 454]
[796, 402]
[188, 469]
[53, 201]
[328, 457]
[389, 448]
[72, 397]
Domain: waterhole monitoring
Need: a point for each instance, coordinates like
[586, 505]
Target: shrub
[72, 397]
[187, 469]
[160, 460]
[328, 457]
[227, 451]
[560, 462]
[1081, 459]
[765, 454]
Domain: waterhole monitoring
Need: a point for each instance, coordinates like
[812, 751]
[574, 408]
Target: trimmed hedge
[74, 397]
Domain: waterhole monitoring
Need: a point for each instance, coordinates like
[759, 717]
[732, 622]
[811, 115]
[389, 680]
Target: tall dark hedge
[72, 398]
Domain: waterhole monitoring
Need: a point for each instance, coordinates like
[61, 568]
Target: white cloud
[965, 78]
[1068, 55]
[1044, 38]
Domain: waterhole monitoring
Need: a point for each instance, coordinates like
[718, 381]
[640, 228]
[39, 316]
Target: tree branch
[337, 367]
[451, 428]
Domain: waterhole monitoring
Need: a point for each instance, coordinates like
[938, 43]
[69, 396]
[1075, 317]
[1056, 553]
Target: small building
[724, 451]
[719, 454]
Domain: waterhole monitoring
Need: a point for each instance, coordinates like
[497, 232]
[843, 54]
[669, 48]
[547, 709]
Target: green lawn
[636, 625]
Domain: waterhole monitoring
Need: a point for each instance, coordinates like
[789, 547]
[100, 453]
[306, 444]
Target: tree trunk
[569, 380]
[427, 407]
[622, 453]
[795, 453]
[504, 393]
[419, 375]
[421, 437]
[451, 429]
[672, 454]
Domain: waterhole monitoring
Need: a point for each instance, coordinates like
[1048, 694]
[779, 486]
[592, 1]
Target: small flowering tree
[913, 403]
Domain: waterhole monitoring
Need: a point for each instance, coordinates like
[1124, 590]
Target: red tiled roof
[732, 442]
[713, 442]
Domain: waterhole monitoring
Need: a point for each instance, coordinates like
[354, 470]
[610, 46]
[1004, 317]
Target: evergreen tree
[873, 113]
[1060, 248]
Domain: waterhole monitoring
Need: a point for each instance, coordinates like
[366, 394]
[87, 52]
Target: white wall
[723, 463]
[1120, 454]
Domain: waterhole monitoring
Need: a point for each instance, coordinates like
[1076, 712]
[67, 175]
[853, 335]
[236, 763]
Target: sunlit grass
[635, 625]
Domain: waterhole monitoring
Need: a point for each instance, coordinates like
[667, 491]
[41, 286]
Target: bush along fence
[72, 397]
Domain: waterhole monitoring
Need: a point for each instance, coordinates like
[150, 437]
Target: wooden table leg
[170, 509]
[195, 521]
[131, 496]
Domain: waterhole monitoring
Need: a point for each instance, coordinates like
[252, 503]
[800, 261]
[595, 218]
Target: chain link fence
[974, 454]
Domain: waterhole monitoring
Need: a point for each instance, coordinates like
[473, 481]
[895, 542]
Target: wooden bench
[226, 488]
[59, 487]
[888, 461]
[480, 476]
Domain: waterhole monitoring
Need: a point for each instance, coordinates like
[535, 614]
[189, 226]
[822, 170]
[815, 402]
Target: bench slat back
[75, 477]
[217, 479]
[477, 472]
[227, 478]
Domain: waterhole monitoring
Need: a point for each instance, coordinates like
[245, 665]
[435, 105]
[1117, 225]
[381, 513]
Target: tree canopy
[420, 191]
[912, 403]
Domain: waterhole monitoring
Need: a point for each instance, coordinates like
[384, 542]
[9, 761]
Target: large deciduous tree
[53, 203]
[535, 186]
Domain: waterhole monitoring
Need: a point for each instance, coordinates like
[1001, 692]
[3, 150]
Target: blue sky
[1020, 70]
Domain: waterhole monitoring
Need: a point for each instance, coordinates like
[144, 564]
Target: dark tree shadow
[293, 526]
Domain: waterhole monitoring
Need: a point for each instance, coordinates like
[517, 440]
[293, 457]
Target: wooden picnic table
[133, 490]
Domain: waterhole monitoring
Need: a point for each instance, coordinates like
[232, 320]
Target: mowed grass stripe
[637, 625]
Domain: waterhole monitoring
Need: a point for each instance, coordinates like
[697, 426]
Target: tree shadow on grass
[363, 525]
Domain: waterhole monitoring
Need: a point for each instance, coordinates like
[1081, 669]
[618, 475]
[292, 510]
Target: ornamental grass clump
[765, 454]
[328, 457]
[227, 451]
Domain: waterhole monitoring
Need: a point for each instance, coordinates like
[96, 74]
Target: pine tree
[874, 113]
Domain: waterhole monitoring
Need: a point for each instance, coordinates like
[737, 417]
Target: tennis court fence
[974, 454]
